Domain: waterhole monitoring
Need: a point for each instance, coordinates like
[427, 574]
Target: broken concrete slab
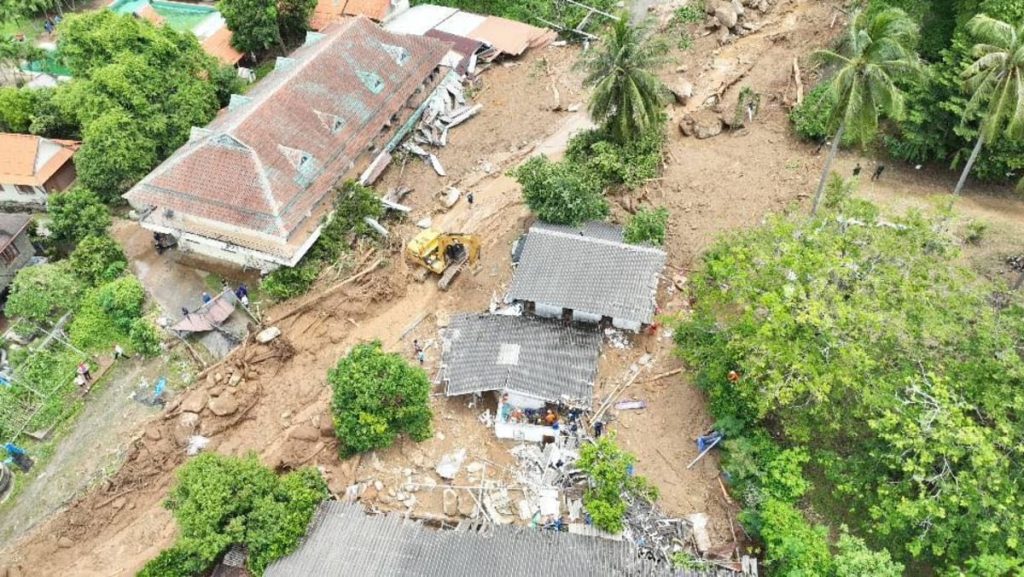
[436, 165]
[449, 465]
[450, 502]
[268, 334]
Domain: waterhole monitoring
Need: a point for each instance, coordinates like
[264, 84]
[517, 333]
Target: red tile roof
[266, 165]
[219, 46]
[373, 9]
[327, 12]
[18, 157]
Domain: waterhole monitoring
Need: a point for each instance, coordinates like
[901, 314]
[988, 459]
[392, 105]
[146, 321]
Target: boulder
[223, 405]
[701, 125]
[153, 433]
[268, 334]
[726, 15]
[235, 379]
[194, 401]
[682, 90]
[467, 505]
[65, 542]
[737, 7]
[183, 429]
[450, 503]
[326, 426]
[304, 433]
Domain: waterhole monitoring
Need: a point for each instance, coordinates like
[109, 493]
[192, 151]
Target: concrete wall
[552, 312]
[9, 195]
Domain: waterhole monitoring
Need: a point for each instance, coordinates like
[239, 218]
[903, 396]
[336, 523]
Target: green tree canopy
[876, 51]
[98, 259]
[859, 339]
[293, 18]
[560, 192]
[608, 467]
[378, 396]
[627, 98]
[253, 23]
[43, 293]
[219, 501]
[18, 107]
[648, 225]
[76, 214]
[114, 155]
[995, 83]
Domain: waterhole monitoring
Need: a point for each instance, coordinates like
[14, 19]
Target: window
[9, 254]
[373, 82]
[25, 189]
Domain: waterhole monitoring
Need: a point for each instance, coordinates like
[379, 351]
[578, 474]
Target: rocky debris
[474, 467]
[194, 402]
[326, 426]
[224, 405]
[699, 525]
[235, 379]
[65, 542]
[266, 335]
[467, 506]
[183, 429]
[726, 15]
[682, 90]
[450, 502]
[449, 465]
[304, 433]
[153, 434]
[702, 124]
[196, 443]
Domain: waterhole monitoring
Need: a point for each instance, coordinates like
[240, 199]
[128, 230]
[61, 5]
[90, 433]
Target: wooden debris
[799, 83]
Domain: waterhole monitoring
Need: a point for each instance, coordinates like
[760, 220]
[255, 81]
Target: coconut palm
[995, 81]
[875, 50]
[628, 98]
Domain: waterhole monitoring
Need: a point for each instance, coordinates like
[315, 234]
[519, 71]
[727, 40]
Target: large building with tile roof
[31, 167]
[254, 185]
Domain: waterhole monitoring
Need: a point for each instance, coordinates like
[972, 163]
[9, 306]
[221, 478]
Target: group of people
[241, 293]
[562, 418]
[417, 349]
[51, 24]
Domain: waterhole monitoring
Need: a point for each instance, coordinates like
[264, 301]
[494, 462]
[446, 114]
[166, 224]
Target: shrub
[561, 192]
[630, 164]
[107, 314]
[219, 501]
[811, 118]
[975, 231]
[43, 293]
[98, 259]
[378, 396]
[144, 338]
[795, 548]
[611, 475]
[76, 214]
[854, 559]
[285, 283]
[647, 226]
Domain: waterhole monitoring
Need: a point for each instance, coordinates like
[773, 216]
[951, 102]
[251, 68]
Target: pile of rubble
[733, 17]
[446, 109]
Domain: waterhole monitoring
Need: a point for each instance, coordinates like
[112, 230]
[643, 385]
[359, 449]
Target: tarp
[208, 316]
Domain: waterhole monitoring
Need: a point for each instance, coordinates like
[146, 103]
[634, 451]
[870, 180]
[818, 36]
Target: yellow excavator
[443, 253]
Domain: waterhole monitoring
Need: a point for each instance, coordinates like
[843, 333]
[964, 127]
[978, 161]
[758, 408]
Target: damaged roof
[344, 540]
[529, 356]
[276, 153]
[588, 274]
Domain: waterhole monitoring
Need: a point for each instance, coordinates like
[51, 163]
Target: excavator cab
[443, 253]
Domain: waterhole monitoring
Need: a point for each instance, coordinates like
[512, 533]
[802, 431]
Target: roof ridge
[268, 194]
[595, 240]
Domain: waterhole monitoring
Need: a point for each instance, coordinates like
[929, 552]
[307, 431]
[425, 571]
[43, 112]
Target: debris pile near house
[734, 17]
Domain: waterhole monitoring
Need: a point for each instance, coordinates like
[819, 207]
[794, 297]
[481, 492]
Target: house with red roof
[31, 167]
[254, 186]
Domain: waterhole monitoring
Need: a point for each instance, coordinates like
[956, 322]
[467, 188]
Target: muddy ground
[280, 400]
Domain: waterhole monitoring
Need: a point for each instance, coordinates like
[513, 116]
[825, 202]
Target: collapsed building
[344, 540]
[528, 363]
[586, 274]
[253, 187]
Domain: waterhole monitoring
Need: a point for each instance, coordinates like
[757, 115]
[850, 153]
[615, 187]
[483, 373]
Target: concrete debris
[474, 467]
[436, 165]
[424, 222]
[373, 172]
[630, 405]
[391, 205]
[196, 443]
[378, 485]
[468, 506]
[616, 339]
[449, 465]
[268, 334]
[699, 526]
[450, 196]
[498, 506]
[574, 107]
[486, 418]
[446, 109]
[450, 502]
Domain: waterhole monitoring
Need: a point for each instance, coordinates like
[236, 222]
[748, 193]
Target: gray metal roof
[588, 274]
[344, 540]
[529, 356]
[592, 229]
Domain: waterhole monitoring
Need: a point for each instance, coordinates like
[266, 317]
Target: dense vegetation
[537, 12]
[353, 202]
[938, 124]
[258, 25]
[878, 381]
[647, 226]
[378, 396]
[221, 501]
[611, 475]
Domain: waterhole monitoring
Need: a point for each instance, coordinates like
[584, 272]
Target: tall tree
[115, 154]
[995, 81]
[254, 24]
[875, 50]
[628, 98]
[293, 18]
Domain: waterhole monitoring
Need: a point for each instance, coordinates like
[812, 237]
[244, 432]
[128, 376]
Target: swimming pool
[178, 15]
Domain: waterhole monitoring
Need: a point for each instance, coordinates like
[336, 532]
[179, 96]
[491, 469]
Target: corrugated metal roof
[344, 540]
[461, 23]
[418, 19]
[510, 36]
[533, 357]
[592, 229]
[267, 164]
[587, 274]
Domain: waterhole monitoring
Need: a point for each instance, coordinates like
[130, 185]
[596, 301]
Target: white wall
[10, 194]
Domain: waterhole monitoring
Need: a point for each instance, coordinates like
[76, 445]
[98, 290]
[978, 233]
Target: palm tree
[996, 77]
[875, 51]
[628, 98]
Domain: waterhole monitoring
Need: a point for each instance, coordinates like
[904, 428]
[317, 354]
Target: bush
[975, 231]
[98, 259]
[561, 192]
[610, 472]
[378, 396]
[219, 501]
[107, 314]
[43, 293]
[76, 214]
[854, 559]
[144, 338]
[811, 118]
[794, 548]
[285, 283]
[647, 226]
[631, 164]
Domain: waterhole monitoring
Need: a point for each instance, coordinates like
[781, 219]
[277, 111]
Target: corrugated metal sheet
[343, 540]
[418, 19]
[533, 357]
[509, 36]
[461, 23]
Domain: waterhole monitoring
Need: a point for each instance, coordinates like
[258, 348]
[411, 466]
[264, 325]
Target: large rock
[467, 505]
[223, 405]
[268, 334]
[726, 15]
[194, 402]
[737, 7]
[304, 433]
[450, 504]
[682, 90]
[701, 125]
